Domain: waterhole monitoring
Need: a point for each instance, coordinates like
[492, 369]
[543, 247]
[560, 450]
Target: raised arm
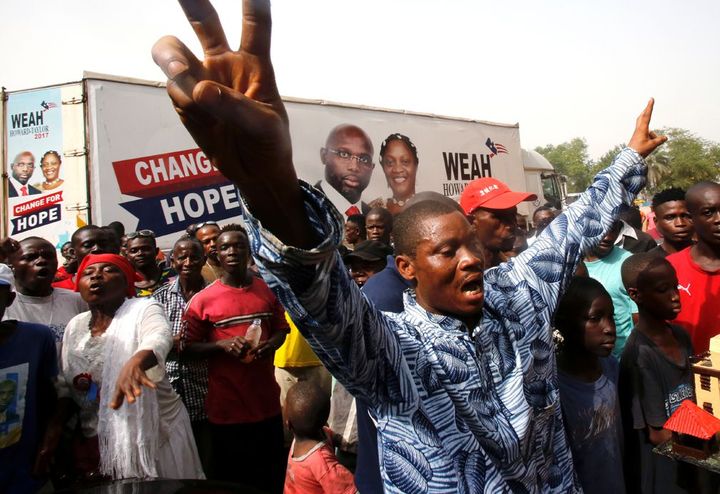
[550, 262]
[229, 102]
[644, 141]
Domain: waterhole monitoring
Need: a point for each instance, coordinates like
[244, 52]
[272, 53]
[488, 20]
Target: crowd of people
[406, 348]
[265, 412]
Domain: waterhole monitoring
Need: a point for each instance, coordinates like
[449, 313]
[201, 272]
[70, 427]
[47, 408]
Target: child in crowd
[655, 372]
[312, 465]
[588, 378]
[603, 263]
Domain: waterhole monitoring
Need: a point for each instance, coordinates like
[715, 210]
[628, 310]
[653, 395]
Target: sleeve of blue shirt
[356, 342]
[546, 267]
[385, 289]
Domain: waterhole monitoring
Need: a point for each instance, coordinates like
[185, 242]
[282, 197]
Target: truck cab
[542, 179]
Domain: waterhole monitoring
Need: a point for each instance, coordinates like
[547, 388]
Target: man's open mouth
[473, 287]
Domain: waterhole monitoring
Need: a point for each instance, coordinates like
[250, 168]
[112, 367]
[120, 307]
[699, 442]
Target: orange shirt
[317, 472]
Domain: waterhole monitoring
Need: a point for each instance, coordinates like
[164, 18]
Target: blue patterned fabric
[455, 413]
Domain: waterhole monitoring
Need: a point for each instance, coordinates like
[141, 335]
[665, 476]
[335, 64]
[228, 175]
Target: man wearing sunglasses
[347, 157]
[141, 252]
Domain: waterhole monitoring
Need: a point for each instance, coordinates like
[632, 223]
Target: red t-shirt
[61, 274]
[237, 392]
[699, 298]
[317, 472]
[67, 283]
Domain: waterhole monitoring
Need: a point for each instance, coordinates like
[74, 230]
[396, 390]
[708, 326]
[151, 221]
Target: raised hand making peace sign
[230, 104]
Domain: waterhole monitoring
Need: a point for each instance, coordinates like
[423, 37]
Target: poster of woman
[399, 161]
[35, 177]
[50, 167]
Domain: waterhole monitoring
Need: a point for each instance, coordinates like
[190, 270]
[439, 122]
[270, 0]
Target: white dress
[151, 438]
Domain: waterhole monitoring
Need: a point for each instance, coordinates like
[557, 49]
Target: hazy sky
[560, 68]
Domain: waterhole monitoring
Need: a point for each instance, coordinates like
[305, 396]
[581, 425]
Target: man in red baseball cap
[491, 207]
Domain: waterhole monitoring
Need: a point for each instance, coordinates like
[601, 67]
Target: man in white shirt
[542, 217]
[632, 238]
[34, 265]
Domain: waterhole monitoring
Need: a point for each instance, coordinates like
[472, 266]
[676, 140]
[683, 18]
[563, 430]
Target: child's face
[657, 291]
[599, 327]
[607, 243]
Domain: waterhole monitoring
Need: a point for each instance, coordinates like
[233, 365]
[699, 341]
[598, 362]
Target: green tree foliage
[684, 160]
[681, 162]
[606, 159]
[571, 159]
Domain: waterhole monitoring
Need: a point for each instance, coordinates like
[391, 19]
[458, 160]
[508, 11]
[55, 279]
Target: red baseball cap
[491, 193]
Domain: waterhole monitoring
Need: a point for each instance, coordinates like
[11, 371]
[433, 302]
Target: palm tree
[658, 168]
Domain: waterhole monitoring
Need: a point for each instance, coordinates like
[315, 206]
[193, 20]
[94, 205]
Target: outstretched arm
[547, 266]
[133, 377]
[230, 105]
[229, 102]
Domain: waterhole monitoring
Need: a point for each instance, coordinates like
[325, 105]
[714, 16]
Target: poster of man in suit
[34, 182]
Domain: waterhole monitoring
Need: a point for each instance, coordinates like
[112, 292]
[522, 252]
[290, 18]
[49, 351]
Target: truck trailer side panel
[145, 170]
[45, 163]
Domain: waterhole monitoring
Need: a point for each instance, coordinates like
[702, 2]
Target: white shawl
[129, 438]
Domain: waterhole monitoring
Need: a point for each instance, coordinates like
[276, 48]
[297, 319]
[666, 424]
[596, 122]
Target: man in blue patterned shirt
[463, 382]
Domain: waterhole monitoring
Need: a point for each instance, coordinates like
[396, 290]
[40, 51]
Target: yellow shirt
[295, 352]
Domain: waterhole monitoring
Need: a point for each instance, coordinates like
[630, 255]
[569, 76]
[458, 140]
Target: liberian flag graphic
[47, 106]
[495, 147]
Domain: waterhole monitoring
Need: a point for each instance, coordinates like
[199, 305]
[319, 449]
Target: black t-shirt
[659, 251]
[652, 386]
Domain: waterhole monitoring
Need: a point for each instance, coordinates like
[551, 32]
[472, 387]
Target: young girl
[588, 377]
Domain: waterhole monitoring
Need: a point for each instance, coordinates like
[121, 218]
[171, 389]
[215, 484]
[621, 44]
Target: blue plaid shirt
[455, 413]
[188, 379]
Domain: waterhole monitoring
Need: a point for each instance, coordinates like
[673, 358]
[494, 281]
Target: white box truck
[112, 149]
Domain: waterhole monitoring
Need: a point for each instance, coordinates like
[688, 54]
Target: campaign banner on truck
[35, 175]
[147, 171]
[46, 174]
[364, 157]
[154, 176]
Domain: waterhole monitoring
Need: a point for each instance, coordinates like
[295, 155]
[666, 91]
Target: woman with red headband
[132, 423]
